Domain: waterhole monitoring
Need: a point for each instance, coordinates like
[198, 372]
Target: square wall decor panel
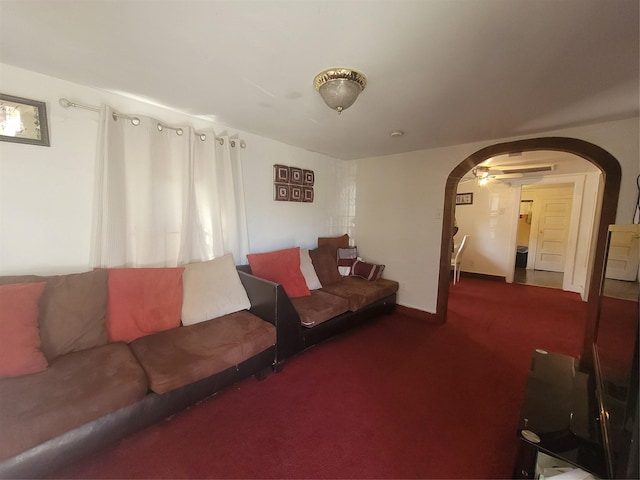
[293, 184]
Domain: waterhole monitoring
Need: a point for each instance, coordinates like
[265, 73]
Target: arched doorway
[611, 173]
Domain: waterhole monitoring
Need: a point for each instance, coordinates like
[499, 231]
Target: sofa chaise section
[319, 306]
[333, 303]
[359, 292]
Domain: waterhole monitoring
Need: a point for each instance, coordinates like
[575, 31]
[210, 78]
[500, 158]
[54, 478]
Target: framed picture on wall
[293, 184]
[23, 121]
[464, 199]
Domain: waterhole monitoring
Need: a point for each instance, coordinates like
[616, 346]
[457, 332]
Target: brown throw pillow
[334, 242]
[326, 266]
[72, 311]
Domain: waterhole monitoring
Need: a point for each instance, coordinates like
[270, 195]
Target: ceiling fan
[483, 173]
[520, 169]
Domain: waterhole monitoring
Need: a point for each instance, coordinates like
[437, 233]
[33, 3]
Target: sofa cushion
[326, 265]
[73, 310]
[280, 266]
[308, 272]
[20, 352]
[212, 289]
[319, 307]
[361, 292]
[143, 301]
[76, 388]
[184, 355]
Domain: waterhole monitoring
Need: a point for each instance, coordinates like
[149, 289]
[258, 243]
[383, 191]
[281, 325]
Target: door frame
[611, 174]
[568, 277]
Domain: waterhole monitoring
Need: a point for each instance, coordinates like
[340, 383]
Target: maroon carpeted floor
[397, 398]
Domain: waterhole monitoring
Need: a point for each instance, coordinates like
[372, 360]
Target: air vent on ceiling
[506, 170]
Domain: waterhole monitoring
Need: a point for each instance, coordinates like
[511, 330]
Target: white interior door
[553, 230]
[622, 263]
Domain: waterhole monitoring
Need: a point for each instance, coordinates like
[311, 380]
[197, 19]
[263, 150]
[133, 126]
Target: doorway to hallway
[539, 278]
[542, 234]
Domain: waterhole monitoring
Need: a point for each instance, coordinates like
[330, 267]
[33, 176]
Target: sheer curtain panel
[162, 199]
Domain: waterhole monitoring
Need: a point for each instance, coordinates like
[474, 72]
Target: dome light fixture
[339, 87]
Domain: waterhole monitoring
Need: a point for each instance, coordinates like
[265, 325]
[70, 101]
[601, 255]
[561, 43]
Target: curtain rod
[136, 121]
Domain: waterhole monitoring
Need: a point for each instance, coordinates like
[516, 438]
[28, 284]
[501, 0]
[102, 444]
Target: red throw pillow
[143, 301]
[20, 352]
[283, 267]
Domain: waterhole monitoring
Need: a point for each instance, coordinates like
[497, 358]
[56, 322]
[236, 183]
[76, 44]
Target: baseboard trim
[434, 317]
[417, 314]
[483, 276]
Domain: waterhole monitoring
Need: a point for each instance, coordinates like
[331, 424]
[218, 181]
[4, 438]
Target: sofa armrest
[244, 268]
[261, 295]
[270, 302]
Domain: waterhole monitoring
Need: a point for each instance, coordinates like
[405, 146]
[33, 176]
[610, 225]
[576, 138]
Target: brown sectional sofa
[341, 303]
[95, 390]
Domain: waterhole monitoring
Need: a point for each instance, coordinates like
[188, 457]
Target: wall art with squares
[464, 199]
[293, 184]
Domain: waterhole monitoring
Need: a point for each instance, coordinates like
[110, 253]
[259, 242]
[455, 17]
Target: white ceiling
[443, 71]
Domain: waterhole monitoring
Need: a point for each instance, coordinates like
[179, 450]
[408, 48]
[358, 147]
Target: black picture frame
[29, 116]
[464, 198]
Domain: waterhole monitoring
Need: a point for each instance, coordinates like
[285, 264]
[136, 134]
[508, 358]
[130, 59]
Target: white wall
[46, 193]
[274, 225]
[487, 221]
[400, 199]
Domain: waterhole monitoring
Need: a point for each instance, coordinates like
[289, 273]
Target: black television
[615, 350]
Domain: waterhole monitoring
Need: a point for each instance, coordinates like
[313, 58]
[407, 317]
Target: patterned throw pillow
[346, 258]
[368, 271]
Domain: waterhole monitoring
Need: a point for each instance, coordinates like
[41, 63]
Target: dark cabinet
[588, 420]
[558, 428]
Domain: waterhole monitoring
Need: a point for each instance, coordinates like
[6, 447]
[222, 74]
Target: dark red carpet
[397, 398]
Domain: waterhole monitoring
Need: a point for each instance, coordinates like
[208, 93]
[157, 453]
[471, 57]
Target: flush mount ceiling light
[339, 87]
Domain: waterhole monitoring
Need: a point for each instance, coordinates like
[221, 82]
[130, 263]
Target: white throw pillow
[212, 289]
[308, 271]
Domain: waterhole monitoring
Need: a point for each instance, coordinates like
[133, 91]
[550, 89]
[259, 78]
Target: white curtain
[164, 199]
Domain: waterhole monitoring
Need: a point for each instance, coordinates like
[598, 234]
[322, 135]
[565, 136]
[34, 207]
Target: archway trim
[611, 171]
